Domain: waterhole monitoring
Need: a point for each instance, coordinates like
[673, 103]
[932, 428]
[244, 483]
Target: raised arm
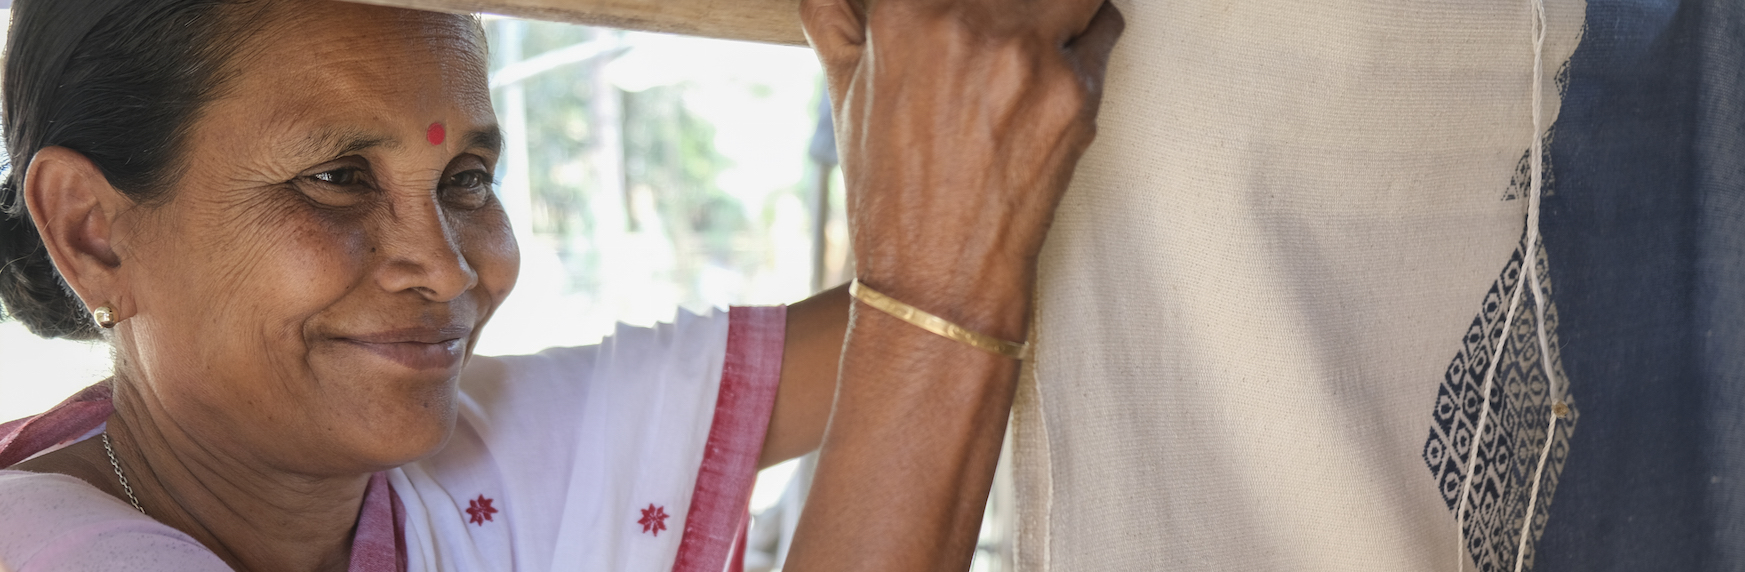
[959, 123]
[810, 358]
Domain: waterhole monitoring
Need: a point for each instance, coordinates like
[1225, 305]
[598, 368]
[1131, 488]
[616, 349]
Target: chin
[423, 428]
[398, 423]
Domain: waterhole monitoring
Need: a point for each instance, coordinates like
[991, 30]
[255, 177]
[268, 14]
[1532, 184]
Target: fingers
[832, 25]
[1073, 18]
[837, 31]
[1090, 51]
[1060, 20]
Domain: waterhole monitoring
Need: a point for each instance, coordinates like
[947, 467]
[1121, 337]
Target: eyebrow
[333, 144]
[488, 138]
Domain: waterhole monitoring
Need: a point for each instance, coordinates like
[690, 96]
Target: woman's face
[312, 286]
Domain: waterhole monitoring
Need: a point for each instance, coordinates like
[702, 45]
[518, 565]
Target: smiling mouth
[416, 349]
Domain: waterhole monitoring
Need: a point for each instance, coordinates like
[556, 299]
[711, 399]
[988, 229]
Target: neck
[253, 515]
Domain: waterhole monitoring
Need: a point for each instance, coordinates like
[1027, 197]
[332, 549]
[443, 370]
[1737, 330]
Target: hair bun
[31, 290]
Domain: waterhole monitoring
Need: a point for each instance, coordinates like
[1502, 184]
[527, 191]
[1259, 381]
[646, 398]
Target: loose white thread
[1483, 419]
[1529, 257]
[1539, 305]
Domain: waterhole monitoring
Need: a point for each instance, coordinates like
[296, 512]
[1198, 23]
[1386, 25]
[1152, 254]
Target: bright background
[643, 173]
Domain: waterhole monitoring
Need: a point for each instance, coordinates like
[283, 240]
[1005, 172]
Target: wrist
[933, 323]
[993, 305]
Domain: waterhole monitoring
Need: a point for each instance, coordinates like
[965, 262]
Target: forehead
[345, 65]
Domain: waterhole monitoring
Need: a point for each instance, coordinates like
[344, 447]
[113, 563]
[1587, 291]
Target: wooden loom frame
[770, 21]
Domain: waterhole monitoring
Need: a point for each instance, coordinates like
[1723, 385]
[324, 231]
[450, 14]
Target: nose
[420, 252]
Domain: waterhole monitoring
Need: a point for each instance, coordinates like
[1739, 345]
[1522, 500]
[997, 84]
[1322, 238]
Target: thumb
[837, 31]
[1090, 50]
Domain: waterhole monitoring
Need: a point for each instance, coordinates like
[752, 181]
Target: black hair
[119, 81]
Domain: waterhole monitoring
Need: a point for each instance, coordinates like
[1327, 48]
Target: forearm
[909, 457]
[959, 122]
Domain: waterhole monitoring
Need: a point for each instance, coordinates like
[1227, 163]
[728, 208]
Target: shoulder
[688, 333]
[36, 503]
[57, 522]
[632, 354]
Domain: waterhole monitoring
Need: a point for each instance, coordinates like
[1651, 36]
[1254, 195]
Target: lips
[416, 348]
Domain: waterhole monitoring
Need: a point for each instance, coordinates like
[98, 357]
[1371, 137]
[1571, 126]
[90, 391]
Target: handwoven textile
[635, 454]
[1646, 235]
[1272, 298]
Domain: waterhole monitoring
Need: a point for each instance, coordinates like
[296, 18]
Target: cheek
[287, 268]
[226, 295]
[254, 278]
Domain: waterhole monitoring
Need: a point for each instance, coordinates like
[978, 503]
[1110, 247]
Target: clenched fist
[959, 125]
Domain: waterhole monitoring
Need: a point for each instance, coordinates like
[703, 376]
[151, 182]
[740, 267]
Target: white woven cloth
[1267, 302]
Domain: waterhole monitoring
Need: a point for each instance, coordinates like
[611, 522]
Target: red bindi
[436, 134]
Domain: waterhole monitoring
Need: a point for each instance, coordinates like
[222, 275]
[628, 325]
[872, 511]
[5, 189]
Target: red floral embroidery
[653, 519]
[480, 510]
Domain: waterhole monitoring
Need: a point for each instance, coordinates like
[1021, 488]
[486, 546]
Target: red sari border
[749, 377]
[84, 411]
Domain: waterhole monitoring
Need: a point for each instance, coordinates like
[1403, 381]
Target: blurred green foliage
[667, 152]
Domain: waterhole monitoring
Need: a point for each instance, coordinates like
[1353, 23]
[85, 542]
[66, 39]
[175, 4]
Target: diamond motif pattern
[1521, 402]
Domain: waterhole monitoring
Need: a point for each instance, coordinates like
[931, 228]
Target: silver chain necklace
[117, 465]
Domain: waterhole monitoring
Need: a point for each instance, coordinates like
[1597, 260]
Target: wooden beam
[771, 21]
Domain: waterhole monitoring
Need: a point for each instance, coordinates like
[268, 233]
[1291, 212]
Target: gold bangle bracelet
[920, 318]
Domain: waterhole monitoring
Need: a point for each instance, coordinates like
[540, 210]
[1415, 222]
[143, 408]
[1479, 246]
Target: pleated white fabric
[636, 454]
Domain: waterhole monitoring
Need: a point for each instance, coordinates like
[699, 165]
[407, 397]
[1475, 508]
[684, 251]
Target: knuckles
[954, 65]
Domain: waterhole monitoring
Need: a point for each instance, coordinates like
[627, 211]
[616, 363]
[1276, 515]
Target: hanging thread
[1552, 382]
[1529, 260]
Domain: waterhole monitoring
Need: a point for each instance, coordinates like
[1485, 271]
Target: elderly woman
[280, 215]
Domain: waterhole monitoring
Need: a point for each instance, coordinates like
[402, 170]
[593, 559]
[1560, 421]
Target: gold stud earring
[105, 316]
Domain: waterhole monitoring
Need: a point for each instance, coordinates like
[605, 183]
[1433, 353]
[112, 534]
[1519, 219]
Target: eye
[340, 184]
[469, 180]
[343, 176]
[467, 189]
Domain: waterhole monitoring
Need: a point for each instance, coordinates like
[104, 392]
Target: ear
[74, 209]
